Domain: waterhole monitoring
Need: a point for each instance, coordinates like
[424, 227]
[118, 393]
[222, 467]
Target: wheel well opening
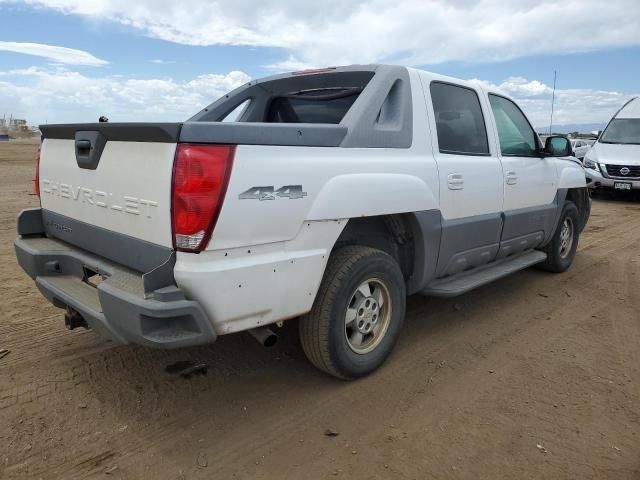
[389, 233]
[580, 197]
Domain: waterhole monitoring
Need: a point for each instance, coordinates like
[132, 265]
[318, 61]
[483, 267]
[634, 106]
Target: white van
[614, 160]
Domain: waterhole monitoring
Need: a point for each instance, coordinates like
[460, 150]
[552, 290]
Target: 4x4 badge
[291, 192]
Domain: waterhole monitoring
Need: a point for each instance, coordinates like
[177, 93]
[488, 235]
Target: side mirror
[557, 146]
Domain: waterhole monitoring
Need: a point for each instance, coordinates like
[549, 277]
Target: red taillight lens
[36, 180]
[200, 177]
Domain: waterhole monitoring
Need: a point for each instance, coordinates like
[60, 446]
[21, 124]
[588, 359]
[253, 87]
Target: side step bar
[465, 281]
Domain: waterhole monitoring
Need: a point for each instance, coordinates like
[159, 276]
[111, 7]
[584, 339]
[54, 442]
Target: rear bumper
[596, 181]
[118, 307]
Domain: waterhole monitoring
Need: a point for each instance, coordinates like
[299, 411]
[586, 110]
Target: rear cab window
[321, 105]
[321, 98]
[459, 120]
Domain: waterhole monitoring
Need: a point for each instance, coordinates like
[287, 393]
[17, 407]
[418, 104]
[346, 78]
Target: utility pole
[553, 100]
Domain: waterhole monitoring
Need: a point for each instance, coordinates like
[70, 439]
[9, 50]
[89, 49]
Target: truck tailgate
[128, 191]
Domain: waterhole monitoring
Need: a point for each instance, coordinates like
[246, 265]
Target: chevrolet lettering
[99, 198]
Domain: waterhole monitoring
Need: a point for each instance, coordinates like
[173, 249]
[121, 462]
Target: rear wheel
[562, 249]
[357, 315]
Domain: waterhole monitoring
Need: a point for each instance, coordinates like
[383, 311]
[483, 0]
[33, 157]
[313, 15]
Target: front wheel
[357, 315]
[561, 250]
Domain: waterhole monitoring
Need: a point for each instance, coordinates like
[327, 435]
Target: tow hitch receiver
[73, 319]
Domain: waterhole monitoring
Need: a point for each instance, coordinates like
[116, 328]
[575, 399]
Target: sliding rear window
[324, 105]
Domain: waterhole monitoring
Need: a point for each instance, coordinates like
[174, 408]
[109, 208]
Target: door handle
[455, 181]
[511, 178]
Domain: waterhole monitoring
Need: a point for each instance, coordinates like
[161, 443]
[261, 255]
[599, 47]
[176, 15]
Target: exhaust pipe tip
[265, 336]
[271, 340]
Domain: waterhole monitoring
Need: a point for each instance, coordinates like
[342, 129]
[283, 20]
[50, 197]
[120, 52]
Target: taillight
[36, 180]
[200, 177]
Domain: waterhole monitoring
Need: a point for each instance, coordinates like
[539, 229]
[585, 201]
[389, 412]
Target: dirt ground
[535, 376]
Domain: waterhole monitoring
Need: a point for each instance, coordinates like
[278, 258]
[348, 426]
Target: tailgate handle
[89, 146]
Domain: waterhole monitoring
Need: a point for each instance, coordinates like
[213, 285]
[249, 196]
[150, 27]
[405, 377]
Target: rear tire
[357, 315]
[561, 250]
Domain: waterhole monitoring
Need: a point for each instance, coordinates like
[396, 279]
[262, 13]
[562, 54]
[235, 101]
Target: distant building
[15, 127]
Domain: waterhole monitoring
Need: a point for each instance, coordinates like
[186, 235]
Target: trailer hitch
[73, 319]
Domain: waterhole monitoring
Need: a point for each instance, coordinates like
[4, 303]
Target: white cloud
[61, 95]
[159, 61]
[572, 105]
[331, 32]
[62, 55]
[291, 64]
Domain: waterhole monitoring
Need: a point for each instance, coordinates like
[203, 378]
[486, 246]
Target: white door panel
[470, 185]
[529, 182]
[469, 174]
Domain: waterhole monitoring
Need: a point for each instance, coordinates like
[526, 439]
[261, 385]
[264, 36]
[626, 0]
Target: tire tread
[551, 263]
[314, 327]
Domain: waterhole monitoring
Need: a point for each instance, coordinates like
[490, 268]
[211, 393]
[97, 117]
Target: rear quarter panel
[267, 257]
[338, 183]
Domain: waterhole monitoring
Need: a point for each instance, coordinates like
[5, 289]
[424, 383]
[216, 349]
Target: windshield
[622, 130]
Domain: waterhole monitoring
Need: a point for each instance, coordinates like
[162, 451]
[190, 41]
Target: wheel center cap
[367, 315]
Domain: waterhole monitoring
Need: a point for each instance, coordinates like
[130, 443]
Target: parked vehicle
[334, 195]
[580, 147]
[613, 162]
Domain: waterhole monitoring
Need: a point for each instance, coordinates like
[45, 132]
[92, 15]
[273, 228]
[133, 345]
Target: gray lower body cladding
[119, 306]
[475, 241]
[446, 248]
[468, 242]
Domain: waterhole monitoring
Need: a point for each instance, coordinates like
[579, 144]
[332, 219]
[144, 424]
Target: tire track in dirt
[157, 434]
[399, 371]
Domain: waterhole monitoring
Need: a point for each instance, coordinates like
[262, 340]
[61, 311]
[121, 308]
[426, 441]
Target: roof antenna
[553, 100]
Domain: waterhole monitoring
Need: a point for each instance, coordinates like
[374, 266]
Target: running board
[465, 281]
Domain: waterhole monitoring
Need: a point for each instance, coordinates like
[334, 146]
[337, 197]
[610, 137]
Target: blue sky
[155, 61]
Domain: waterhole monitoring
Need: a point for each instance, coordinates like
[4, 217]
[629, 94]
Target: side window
[515, 134]
[459, 121]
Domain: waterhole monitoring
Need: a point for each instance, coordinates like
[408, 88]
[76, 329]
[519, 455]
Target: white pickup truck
[325, 195]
